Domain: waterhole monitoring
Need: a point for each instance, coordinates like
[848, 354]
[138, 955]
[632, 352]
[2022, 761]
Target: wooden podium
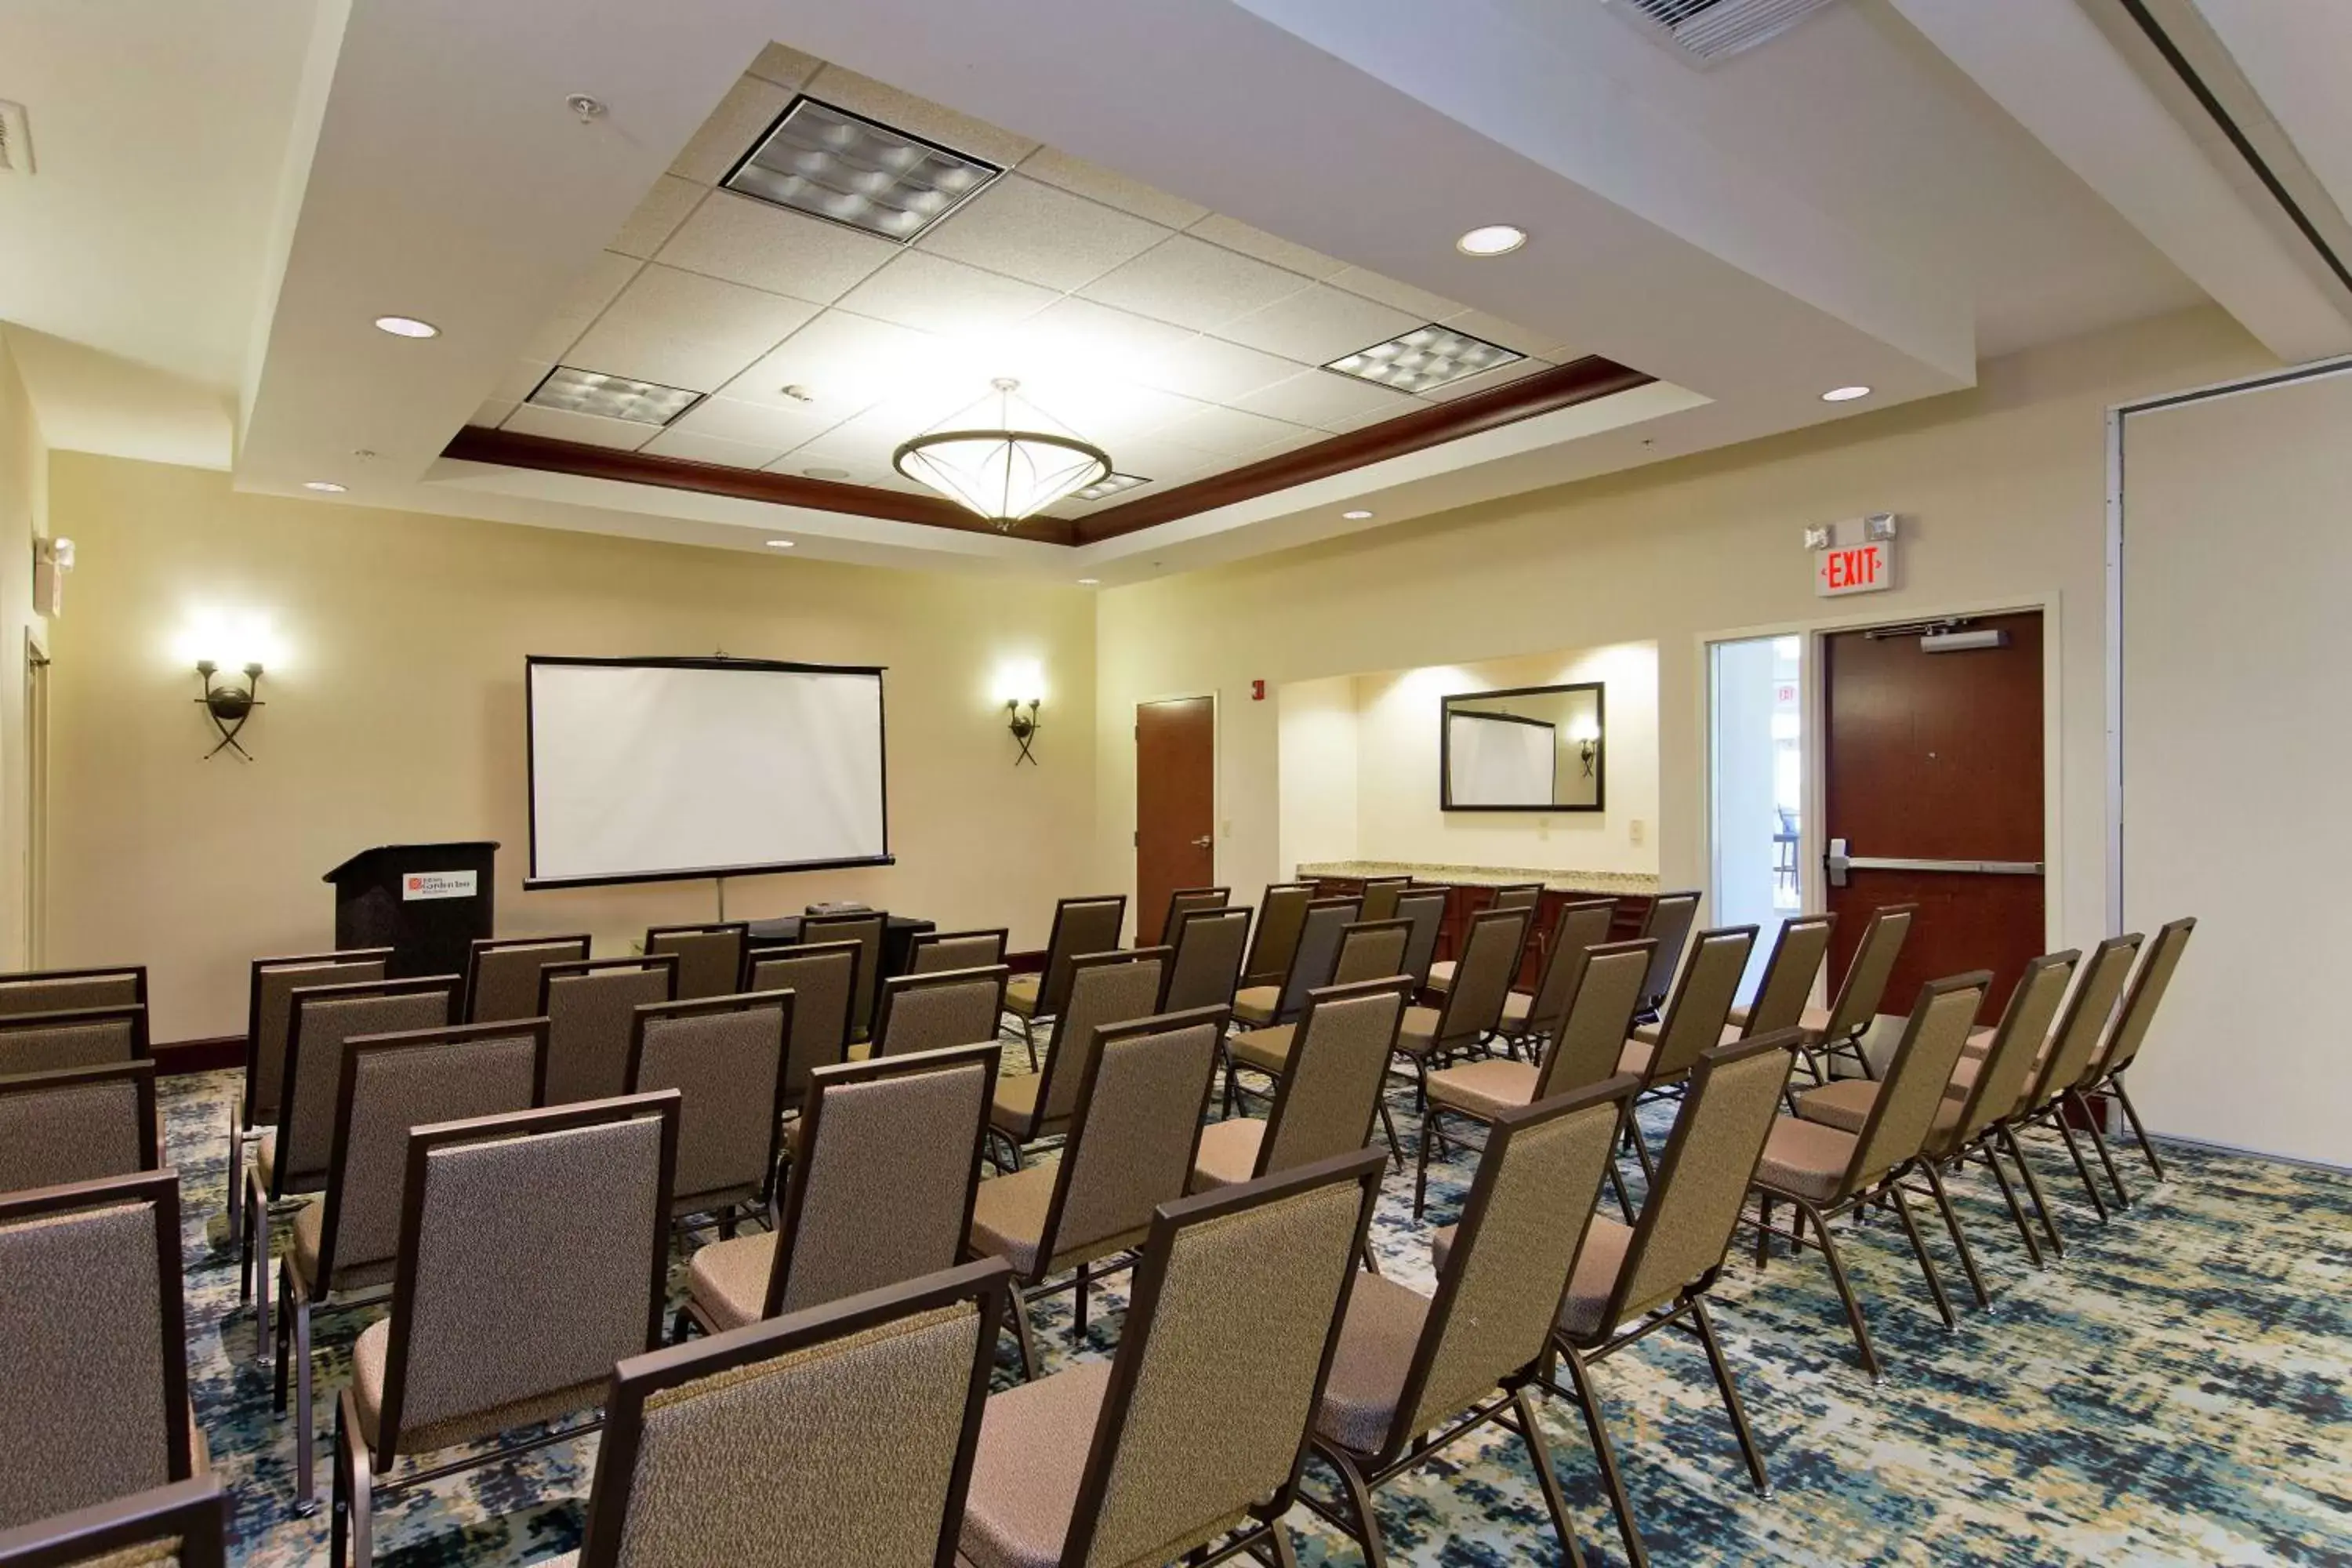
[428, 902]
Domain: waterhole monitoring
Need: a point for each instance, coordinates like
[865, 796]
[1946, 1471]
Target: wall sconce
[1586, 733]
[228, 705]
[1020, 686]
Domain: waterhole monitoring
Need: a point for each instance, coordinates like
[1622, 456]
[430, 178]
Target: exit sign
[1854, 568]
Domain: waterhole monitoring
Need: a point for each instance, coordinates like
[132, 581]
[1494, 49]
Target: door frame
[37, 696]
[1814, 630]
[1216, 779]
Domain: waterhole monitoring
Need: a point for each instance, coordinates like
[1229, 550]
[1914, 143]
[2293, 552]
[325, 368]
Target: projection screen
[1498, 759]
[652, 769]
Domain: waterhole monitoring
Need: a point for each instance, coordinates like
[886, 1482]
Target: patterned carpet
[2179, 1391]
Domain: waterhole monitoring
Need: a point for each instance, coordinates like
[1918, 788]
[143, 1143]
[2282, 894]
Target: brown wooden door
[1936, 757]
[1175, 804]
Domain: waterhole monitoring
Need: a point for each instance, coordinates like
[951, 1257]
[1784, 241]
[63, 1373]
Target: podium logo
[439, 885]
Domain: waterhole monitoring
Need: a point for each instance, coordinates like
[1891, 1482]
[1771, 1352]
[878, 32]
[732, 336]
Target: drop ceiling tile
[605, 276]
[1235, 235]
[750, 107]
[657, 216]
[844, 364]
[1217, 371]
[780, 429]
[521, 381]
[933, 122]
[1077, 336]
[594, 429]
[682, 329]
[1110, 413]
[491, 414]
[785, 67]
[1164, 463]
[1328, 401]
[1319, 324]
[749, 242]
[698, 448]
[1040, 234]
[865, 453]
[933, 294]
[1417, 302]
[1495, 331]
[1501, 375]
[1194, 284]
[1110, 187]
[809, 464]
[1228, 432]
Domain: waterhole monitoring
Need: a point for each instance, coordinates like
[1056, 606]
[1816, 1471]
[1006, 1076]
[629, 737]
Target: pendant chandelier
[1005, 473]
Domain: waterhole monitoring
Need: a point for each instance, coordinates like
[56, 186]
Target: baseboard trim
[174, 1057]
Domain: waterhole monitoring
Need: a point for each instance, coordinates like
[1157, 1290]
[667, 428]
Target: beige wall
[2002, 491]
[1317, 769]
[23, 501]
[395, 714]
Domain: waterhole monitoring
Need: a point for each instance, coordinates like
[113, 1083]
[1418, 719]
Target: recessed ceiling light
[1424, 358]
[780, 543]
[324, 487]
[830, 163]
[612, 397]
[1110, 485]
[1492, 239]
[1089, 581]
[407, 327]
[1845, 394]
[1359, 515]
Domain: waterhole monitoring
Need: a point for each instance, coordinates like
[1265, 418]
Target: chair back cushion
[1370, 950]
[71, 991]
[1424, 909]
[274, 985]
[2074, 1044]
[1105, 990]
[1209, 944]
[323, 1020]
[1316, 955]
[1603, 995]
[710, 959]
[75, 1125]
[1865, 987]
[1139, 1127]
[1326, 1102]
[2140, 1001]
[956, 950]
[1081, 926]
[590, 1012]
[823, 979]
[1483, 976]
[867, 931]
[727, 1058]
[1703, 996]
[1582, 925]
[2007, 1071]
[51, 1042]
[1380, 897]
[1913, 1091]
[1671, 917]
[1280, 917]
[1789, 973]
[505, 981]
[932, 1012]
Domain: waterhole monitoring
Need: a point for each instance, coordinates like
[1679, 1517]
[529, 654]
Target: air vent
[1710, 30]
[16, 141]
[834, 165]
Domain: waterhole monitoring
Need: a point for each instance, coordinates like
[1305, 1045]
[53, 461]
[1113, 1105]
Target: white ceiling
[229, 192]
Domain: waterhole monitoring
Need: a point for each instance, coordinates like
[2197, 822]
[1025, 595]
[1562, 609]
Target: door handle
[1204, 841]
[1839, 862]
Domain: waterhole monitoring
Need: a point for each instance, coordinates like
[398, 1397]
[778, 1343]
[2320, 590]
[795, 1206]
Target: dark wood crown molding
[1546, 392]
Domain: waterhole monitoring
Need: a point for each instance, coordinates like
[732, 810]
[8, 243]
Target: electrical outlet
[1636, 830]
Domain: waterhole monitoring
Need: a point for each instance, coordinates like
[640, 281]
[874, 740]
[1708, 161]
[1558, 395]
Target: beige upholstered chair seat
[1805, 1158]
[1515, 1008]
[1846, 1105]
[1812, 1020]
[1597, 1266]
[1021, 994]
[368, 1353]
[1441, 976]
[265, 1156]
[1417, 1035]
[1484, 1088]
[1033, 1441]
[309, 1225]
[1635, 1056]
[1965, 1071]
[1014, 1106]
[1228, 1153]
[1008, 1218]
[1383, 1329]
[1266, 1049]
[1648, 1034]
[1257, 1003]
[728, 1280]
[1979, 1042]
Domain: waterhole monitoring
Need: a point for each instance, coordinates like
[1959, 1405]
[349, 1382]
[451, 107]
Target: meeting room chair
[502, 973]
[1823, 1172]
[709, 957]
[823, 978]
[77, 1124]
[2106, 1073]
[881, 1395]
[1660, 1269]
[1195, 1430]
[1604, 989]
[1423, 907]
[880, 1191]
[1696, 1016]
[1668, 923]
[1378, 896]
[292, 1157]
[1081, 926]
[183, 1524]
[94, 1405]
[867, 929]
[1280, 914]
[1511, 896]
[1133, 1137]
[270, 1008]
[1472, 1010]
[347, 1242]
[929, 952]
[1207, 946]
[1182, 901]
[74, 1037]
[1786, 990]
[558, 1219]
[725, 1056]
[1843, 1028]
[590, 1007]
[1367, 950]
[931, 1012]
[1531, 1017]
[2075, 1045]
[72, 990]
[1327, 1096]
[1468, 1354]
[1106, 989]
[1312, 957]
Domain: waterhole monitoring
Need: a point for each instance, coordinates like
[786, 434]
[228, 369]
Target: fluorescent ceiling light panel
[1110, 485]
[612, 397]
[834, 165]
[1425, 358]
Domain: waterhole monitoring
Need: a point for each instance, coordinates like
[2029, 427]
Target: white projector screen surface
[1495, 760]
[647, 769]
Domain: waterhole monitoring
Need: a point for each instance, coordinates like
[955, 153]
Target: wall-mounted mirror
[1537, 748]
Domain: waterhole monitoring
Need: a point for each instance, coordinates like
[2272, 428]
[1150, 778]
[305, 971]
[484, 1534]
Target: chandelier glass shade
[1004, 473]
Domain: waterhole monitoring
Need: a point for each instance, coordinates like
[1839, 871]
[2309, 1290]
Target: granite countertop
[1631, 882]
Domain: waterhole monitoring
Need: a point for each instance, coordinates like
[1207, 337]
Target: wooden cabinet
[1633, 912]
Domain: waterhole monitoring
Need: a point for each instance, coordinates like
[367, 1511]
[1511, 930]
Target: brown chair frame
[741, 931]
[1264, 968]
[645, 1012]
[753, 957]
[899, 984]
[138, 972]
[193, 1513]
[142, 1075]
[134, 1013]
[486, 945]
[2125, 1036]
[1853, 1012]
[1057, 1056]
[922, 940]
[1181, 902]
[1402, 987]
[1173, 938]
[1680, 909]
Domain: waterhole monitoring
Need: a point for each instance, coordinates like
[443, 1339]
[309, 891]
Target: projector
[839, 907]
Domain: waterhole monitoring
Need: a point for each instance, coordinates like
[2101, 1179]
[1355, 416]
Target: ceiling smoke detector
[1706, 31]
[15, 140]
